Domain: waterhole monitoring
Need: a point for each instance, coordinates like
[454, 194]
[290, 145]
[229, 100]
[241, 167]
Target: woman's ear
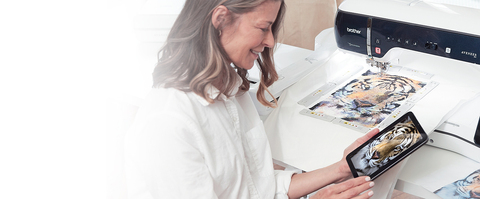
[219, 16]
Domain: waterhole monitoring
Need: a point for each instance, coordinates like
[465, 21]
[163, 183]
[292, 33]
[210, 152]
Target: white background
[59, 60]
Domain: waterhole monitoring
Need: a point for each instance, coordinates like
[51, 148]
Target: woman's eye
[265, 29]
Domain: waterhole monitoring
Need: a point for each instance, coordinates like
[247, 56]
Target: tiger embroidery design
[387, 147]
[468, 187]
[369, 99]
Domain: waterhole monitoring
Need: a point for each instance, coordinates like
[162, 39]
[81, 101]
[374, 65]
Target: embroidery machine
[381, 35]
[441, 30]
[435, 40]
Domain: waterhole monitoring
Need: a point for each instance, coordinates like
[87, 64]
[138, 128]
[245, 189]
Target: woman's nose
[269, 41]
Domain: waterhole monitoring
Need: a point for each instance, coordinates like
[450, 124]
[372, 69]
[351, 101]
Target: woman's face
[250, 33]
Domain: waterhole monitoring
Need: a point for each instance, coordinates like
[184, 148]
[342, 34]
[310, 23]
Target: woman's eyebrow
[267, 22]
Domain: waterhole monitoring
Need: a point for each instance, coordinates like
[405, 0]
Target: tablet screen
[387, 148]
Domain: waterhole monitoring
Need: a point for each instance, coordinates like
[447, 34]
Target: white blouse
[180, 146]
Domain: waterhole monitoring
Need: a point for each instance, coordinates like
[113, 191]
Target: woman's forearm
[306, 183]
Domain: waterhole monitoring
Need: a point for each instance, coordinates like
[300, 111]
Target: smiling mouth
[255, 52]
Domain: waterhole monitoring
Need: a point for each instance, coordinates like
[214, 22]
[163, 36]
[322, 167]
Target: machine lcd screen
[387, 148]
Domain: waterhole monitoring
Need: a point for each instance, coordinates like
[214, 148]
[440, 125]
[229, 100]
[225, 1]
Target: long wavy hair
[193, 57]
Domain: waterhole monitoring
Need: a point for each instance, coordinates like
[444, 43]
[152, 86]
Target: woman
[198, 134]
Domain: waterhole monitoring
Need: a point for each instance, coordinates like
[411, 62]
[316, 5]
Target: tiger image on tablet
[386, 147]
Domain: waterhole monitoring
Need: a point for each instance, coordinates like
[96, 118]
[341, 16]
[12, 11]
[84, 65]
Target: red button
[378, 50]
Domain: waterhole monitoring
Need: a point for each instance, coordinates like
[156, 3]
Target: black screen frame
[476, 138]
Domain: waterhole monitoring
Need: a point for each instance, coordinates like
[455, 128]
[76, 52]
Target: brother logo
[353, 30]
[474, 55]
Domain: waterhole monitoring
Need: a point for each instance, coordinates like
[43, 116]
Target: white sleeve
[163, 161]
[282, 179]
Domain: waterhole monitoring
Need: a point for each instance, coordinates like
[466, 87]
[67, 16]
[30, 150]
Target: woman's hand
[349, 189]
[343, 165]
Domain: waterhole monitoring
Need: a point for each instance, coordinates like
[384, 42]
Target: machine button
[414, 43]
[399, 40]
[428, 45]
[407, 42]
[377, 41]
[448, 50]
[389, 38]
[378, 50]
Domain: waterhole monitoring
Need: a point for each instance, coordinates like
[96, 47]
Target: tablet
[387, 148]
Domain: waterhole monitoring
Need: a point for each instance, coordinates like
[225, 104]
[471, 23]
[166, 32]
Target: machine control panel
[353, 32]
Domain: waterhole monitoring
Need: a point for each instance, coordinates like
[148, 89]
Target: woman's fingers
[353, 187]
[365, 195]
[361, 189]
[349, 189]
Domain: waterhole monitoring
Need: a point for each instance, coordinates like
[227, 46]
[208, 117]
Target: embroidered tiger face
[370, 98]
[387, 147]
[468, 187]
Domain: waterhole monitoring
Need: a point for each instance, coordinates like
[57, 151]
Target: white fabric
[182, 147]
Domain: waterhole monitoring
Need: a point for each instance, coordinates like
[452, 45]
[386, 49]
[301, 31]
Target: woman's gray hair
[193, 57]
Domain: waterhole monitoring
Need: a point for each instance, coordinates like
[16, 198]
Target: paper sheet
[369, 99]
